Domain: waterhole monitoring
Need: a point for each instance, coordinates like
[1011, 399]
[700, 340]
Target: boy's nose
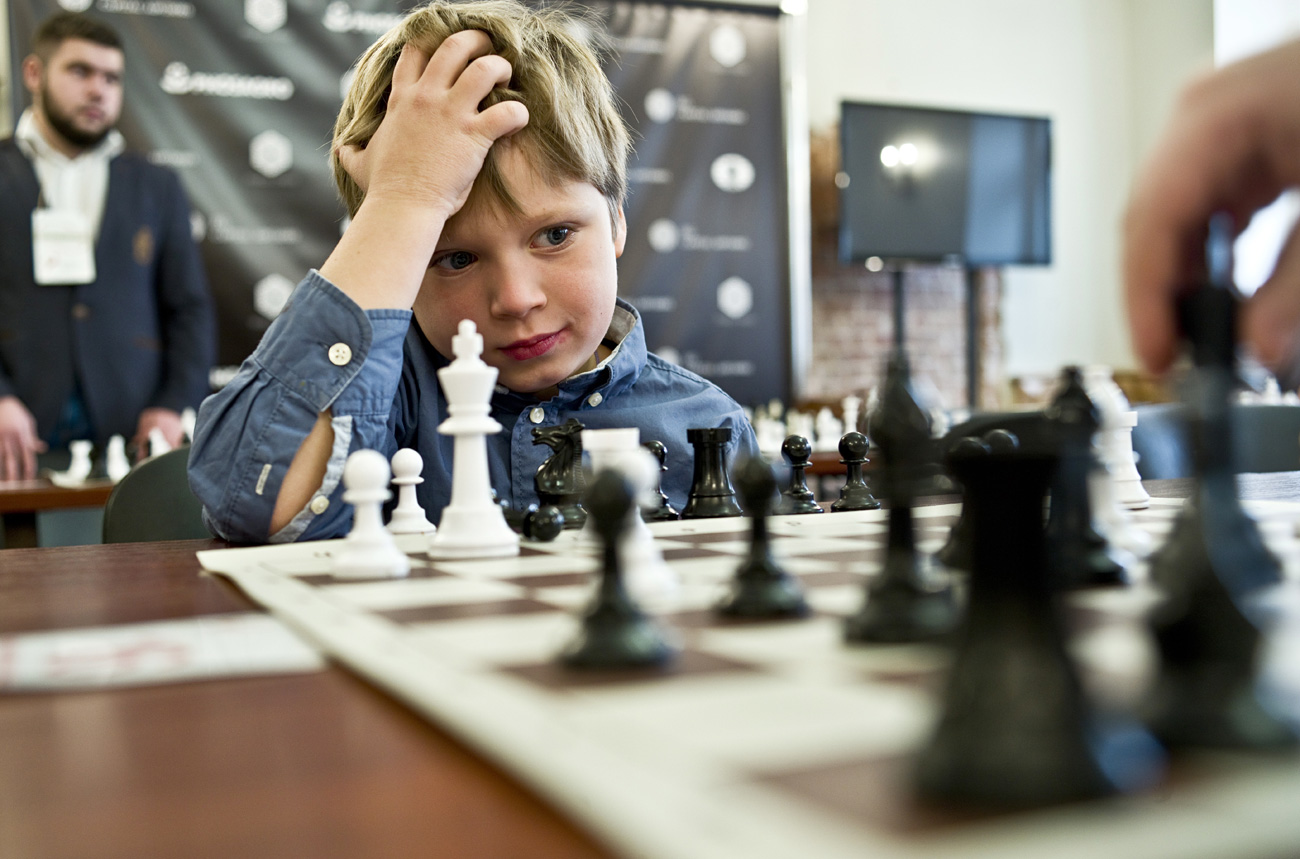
[516, 294]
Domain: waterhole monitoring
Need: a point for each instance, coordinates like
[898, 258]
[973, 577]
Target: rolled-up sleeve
[322, 352]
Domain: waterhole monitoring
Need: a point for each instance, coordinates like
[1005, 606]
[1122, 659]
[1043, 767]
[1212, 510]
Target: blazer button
[340, 354]
[80, 311]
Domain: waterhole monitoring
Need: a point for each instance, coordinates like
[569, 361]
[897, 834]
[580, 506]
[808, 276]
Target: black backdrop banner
[240, 99]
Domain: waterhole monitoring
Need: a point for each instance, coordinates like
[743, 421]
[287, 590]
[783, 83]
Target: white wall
[1105, 71]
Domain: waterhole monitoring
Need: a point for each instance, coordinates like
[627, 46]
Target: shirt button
[595, 399]
[537, 415]
[80, 311]
[320, 504]
[340, 354]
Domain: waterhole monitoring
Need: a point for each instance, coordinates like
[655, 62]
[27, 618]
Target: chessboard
[762, 739]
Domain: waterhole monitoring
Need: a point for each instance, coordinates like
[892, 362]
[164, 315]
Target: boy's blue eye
[555, 236]
[455, 260]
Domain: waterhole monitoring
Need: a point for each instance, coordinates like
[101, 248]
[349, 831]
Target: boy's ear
[620, 233]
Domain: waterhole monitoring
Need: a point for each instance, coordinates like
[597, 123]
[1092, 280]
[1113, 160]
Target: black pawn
[711, 495]
[663, 510]
[560, 480]
[1205, 692]
[615, 633]
[1015, 730]
[797, 497]
[543, 523]
[761, 588]
[1080, 554]
[855, 494]
[902, 603]
[955, 554]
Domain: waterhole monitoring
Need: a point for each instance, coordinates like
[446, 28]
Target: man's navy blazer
[141, 335]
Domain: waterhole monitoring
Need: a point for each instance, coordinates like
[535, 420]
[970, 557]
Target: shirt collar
[35, 146]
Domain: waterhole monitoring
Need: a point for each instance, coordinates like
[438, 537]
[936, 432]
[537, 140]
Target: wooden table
[21, 500]
[315, 765]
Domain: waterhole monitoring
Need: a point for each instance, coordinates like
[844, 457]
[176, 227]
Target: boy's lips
[532, 347]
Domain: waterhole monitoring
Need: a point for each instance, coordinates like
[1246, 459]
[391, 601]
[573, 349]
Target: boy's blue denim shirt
[377, 373]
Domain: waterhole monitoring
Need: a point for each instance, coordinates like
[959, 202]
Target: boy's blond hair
[574, 131]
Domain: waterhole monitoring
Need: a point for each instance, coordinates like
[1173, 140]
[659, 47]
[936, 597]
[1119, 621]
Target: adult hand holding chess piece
[1232, 146]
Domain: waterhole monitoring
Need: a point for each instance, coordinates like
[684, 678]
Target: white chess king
[472, 524]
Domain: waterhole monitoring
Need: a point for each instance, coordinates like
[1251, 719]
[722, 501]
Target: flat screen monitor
[944, 185]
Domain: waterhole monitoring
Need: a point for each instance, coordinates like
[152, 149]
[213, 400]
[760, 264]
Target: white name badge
[63, 249]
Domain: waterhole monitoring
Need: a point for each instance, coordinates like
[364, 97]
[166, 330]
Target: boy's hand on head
[433, 138]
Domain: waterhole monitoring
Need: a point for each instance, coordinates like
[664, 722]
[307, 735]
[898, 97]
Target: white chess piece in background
[829, 429]
[78, 469]
[408, 516]
[189, 418]
[158, 442]
[368, 551]
[116, 465]
[649, 579]
[473, 525]
[1115, 436]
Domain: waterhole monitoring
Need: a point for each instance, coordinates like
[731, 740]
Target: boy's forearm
[305, 474]
[381, 259]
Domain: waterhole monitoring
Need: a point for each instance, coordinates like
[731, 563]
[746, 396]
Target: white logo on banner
[662, 106]
[265, 15]
[341, 18]
[270, 153]
[271, 293]
[669, 354]
[663, 235]
[732, 172]
[177, 79]
[735, 298]
[149, 8]
[75, 5]
[198, 226]
[228, 233]
[176, 158]
[727, 45]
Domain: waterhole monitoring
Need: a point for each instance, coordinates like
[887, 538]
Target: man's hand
[1233, 145]
[165, 420]
[19, 443]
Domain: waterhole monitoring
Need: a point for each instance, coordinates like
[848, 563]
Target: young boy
[482, 158]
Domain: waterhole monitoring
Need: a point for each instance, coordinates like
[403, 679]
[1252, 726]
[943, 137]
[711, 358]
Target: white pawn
[408, 515]
[368, 551]
[157, 442]
[473, 525]
[829, 429]
[116, 465]
[189, 418]
[78, 469]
